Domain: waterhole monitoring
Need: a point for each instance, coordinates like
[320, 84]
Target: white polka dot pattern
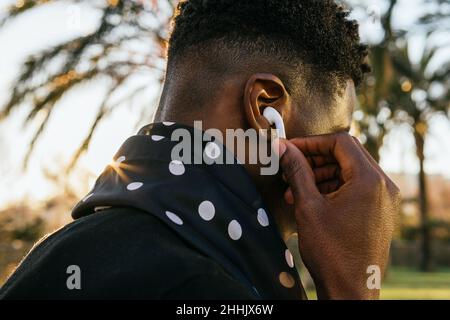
[134, 186]
[231, 218]
[212, 150]
[263, 219]
[289, 258]
[174, 218]
[206, 210]
[234, 230]
[176, 167]
[155, 137]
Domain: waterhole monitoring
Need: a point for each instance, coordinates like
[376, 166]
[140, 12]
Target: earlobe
[263, 90]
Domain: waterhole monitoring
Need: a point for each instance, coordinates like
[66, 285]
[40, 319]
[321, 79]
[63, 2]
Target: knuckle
[392, 188]
[381, 181]
[395, 190]
[291, 168]
[374, 178]
[395, 194]
[378, 185]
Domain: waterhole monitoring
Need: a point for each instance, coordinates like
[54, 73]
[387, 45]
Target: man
[159, 228]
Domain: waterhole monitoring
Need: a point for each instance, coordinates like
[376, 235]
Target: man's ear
[264, 90]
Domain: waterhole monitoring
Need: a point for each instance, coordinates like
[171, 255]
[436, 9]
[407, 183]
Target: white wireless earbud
[274, 118]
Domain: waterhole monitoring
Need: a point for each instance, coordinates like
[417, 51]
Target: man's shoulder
[119, 253]
[117, 235]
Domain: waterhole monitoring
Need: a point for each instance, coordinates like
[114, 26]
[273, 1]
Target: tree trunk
[425, 261]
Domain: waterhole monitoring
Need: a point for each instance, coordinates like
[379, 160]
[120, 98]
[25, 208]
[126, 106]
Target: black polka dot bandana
[214, 207]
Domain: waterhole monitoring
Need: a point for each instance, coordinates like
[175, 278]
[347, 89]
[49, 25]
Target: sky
[75, 112]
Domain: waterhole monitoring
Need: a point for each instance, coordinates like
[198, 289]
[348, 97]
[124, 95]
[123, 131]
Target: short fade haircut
[301, 35]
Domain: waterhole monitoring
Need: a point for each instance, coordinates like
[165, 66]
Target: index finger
[341, 146]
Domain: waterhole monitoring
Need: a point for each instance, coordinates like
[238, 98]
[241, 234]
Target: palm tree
[105, 53]
[377, 88]
[417, 78]
[387, 99]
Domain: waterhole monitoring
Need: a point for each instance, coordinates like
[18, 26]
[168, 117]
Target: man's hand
[344, 232]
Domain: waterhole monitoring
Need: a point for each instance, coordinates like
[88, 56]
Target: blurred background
[78, 77]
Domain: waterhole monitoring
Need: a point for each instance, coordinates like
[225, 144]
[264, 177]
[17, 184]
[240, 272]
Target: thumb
[297, 172]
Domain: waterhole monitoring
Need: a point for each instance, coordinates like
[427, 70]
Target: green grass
[402, 283]
[409, 284]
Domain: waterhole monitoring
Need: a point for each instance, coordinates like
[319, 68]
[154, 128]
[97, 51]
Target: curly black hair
[313, 33]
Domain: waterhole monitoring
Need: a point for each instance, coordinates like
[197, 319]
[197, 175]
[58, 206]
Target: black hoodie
[155, 227]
